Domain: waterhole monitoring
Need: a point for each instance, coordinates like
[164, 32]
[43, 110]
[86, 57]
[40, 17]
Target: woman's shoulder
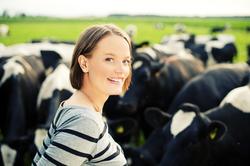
[82, 112]
[79, 116]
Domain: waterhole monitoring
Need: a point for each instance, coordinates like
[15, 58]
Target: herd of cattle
[187, 99]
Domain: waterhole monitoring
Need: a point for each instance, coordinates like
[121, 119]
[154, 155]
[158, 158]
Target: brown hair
[85, 46]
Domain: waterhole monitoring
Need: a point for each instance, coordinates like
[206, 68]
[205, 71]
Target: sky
[78, 8]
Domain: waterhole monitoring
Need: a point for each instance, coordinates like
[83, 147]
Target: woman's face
[109, 65]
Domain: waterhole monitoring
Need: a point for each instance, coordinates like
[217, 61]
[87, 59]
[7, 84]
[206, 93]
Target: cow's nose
[126, 108]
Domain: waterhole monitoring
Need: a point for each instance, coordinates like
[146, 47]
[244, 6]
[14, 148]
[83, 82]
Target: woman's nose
[120, 67]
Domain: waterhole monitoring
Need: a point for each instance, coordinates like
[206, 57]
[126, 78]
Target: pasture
[26, 29]
[158, 84]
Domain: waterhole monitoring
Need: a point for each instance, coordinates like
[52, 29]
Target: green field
[26, 29]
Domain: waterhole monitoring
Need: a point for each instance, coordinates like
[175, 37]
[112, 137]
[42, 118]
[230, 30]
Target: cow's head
[142, 85]
[190, 136]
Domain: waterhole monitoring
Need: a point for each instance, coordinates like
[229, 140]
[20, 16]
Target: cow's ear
[216, 131]
[50, 58]
[156, 66]
[189, 107]
[156, 117]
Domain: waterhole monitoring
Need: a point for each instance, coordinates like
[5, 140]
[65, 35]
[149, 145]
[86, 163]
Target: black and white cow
[221, 50]
[212, 50]
[55, 89]
[20, 81]
[64, 50]
[4, 30]
[209, 88]
[219, 136]
[197, 49]
[155, 84]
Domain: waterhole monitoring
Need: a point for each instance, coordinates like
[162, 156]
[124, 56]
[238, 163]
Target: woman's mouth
[116, 81]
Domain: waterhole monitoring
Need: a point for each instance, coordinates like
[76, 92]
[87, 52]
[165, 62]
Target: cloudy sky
[75, 8]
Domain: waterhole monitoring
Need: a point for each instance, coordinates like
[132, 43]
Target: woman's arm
[73, 143]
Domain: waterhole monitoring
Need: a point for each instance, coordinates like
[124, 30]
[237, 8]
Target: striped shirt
[79, 136]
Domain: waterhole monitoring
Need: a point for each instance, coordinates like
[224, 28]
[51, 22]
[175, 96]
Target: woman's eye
[109, 59]
[126, 61]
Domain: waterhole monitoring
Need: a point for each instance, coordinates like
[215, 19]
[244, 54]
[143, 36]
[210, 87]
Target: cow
[4, 30]
[159, 26]
[175, 38]
[64, 50]
[218, 29]
[155, 84]
[55, 89]
[138, 46]
[224, 54]
[180, 28]
[247, 28]
[151, 52]
[209, 88]
[197, 49]
[131, 30]
[212, 50]
[20, 81]
[219, 136]
[220, 51]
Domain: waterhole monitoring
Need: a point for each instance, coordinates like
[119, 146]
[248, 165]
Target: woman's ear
[83, 63]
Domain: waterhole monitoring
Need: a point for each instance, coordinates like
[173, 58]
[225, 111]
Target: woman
[101, 66]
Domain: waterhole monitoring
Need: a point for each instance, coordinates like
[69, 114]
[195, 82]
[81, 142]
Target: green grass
[26, 29]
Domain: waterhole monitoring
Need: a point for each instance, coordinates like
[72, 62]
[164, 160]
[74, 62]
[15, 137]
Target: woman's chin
[115, 92]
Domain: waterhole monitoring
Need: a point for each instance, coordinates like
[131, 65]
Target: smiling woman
[101, 66]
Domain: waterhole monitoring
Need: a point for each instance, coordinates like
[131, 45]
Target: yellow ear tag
[213, 133]
[120, 129]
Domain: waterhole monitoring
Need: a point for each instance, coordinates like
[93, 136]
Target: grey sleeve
[73, 143]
